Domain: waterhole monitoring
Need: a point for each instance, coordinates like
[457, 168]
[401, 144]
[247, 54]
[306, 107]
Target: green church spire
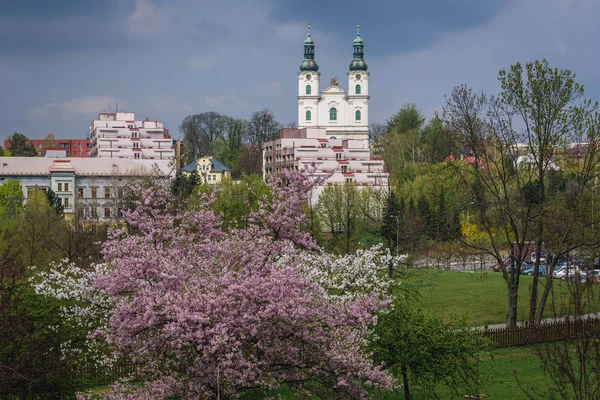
[358, 63]
[309, 63]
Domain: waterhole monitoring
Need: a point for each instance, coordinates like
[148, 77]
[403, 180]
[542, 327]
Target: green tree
[408, 118]
[54, 201]
[20, 146]
[11, 197]
[183, 183]
[516, 139]
[422, 351]
[438, 142]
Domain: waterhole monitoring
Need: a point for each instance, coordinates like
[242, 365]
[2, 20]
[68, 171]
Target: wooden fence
[105, 375]
[561, 329]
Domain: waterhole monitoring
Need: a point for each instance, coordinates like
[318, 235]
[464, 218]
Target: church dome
[309, 65]
[358, 40]
[309, 41]
[358, 65]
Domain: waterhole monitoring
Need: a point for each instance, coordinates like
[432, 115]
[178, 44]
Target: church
[333, 127]
[344, 115]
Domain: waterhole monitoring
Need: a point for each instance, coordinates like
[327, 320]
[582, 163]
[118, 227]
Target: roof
[43, 166]
[55, 153]
[215, 166]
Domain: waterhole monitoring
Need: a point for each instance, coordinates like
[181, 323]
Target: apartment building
[120, 135]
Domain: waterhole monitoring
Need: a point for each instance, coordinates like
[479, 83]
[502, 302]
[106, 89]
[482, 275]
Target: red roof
[322, 140]
[343, 162]
[338, 149]
[348, 174]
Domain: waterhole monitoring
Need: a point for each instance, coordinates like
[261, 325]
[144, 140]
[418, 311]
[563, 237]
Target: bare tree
[262, 127]
[201, 131]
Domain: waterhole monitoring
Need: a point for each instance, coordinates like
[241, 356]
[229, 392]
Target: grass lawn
[498, 376]
[481, 298]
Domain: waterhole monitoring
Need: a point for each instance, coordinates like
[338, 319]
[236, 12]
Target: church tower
[358, 85]
[308, 85]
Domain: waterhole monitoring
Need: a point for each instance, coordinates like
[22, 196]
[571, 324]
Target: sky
[63, 62]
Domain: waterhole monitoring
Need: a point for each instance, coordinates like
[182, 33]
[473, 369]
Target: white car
[563, 272]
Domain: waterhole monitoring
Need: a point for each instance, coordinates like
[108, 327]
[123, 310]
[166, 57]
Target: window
[136, 145]
[333, 114]
[136, 155]
[94, 192]
[39, 145]
[80, 193]
[94, 212]
[107, 212]
[134, 134]
[107, 193]
[344, 168]
[338, 156]
[80, 213]
[66, 187]
[357, 89]
[308, 89]
[59, 187]
[66, 202]
[349, 180]
[357, 115]
[308, 115]
[120, 193]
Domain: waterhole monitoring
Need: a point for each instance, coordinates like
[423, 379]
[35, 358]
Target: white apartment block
[119, 135]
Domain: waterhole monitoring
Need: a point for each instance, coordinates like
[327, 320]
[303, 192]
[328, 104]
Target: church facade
[332, 137]
[343, 115]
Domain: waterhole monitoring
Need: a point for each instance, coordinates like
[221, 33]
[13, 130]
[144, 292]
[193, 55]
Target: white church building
[333, 127]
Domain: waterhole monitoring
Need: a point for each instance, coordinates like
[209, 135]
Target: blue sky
[63, 62]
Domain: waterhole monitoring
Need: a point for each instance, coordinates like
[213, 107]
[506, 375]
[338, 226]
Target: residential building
[332, 137]
[119, 135]
[91, 189]
[209, 170]
[79, 148]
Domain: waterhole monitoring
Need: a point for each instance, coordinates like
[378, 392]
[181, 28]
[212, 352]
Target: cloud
[148, 20]
[268, 89]
[167, 105]
[84, 106]
[204, 61]
[290, 31]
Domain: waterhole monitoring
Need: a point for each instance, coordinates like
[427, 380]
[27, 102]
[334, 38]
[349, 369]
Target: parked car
[567, 271]
[531, 267]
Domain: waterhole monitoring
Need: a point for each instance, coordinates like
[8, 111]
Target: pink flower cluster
[204, 311]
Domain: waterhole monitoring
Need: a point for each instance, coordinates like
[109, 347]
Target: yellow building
[209, 170]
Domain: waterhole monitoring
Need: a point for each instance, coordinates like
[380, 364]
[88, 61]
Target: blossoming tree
[206, 313]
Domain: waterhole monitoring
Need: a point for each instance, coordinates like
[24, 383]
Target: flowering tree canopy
[205, 312]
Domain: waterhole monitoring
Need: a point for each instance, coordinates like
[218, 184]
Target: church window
[357, 115]
[333, 114]
[308, 115]
[308, 89]
[357, 89]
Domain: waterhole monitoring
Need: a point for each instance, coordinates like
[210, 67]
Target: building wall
[79, 148]
[119, 135]
[87, 188]
[346, 125]
[207, 175]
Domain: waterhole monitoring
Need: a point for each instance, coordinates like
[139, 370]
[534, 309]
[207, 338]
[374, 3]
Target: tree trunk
[513, 293]
[405, 379]
[544, 299]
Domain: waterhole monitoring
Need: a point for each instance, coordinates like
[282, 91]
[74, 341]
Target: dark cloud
[48, 27]
[393, 25]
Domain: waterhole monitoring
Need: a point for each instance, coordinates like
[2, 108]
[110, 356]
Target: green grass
[498, 379]
[480, 298]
